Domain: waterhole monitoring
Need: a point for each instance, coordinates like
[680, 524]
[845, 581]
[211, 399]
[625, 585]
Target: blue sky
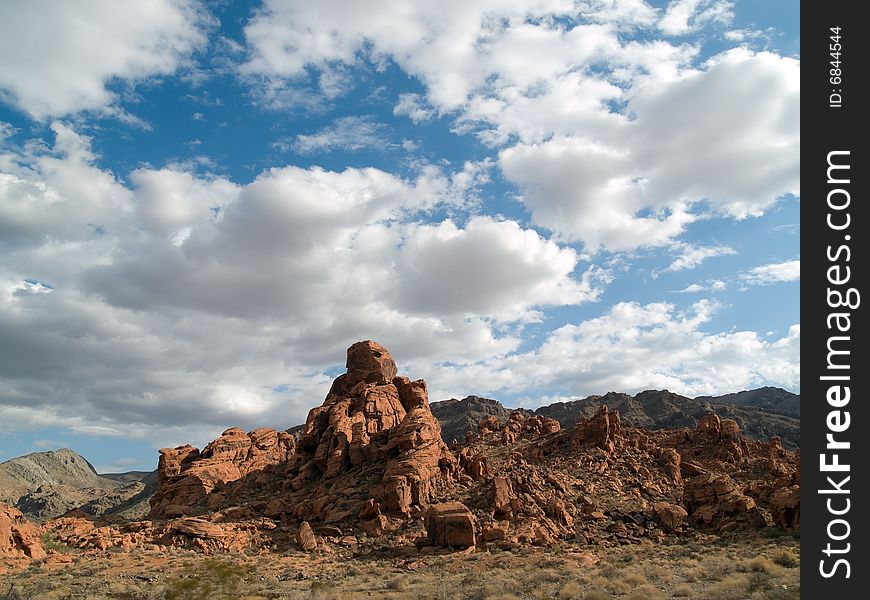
[203, 204]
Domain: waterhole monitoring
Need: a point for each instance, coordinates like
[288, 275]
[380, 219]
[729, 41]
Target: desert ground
[764, 566]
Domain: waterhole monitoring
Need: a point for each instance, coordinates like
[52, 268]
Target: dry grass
[571, 591]
[701, 569]
[646, 592]
[635, 579]
[787, 558]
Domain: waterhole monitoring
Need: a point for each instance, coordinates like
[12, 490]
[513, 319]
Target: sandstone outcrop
[602, 430]
[186, 477]
[19, 538]
[715, 500]
[370, 460]
[785, 506]
[373, 418]
[670, 516]
[371, 450]
[450, 524]
[598, 483]
[519, 425]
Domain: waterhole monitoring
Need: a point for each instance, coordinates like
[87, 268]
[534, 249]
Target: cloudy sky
[203, 204]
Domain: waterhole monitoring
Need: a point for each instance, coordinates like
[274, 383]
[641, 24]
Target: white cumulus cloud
[789, 270]
[59, 57]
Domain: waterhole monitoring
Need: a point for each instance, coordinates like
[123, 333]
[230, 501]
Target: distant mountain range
[761, 413]
[44, 485]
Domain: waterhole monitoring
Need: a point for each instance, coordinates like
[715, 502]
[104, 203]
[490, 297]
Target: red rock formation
[19, 538]
[518, 426]
[372, 448]
[785, 506]
[371, 458]
[490, 423]
[670, 516]
[370, 416]
[729, 429]
[198, 528]
[186, 477]
[715, 501]
[502, 497]
[709, 424]
[450, 524]
[604, 430]
[474, 466]
[305, 537]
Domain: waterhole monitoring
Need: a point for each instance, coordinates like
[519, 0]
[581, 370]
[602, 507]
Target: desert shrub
[758, 581]
[718, 567]
[570, 591]
[396, 583]
[695, 573]
[778, 593]
[759, 564]
[683, 591]
[786, 558]
[775, 533]
[49, 542]
[635, 579]
[646, 592]
[732, 587]
[659, 572]
[545, 576]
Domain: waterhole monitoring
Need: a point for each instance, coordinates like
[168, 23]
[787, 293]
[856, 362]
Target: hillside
[761, 413]
[770, 399]
[460, 416]
[44, 485]
[659, 409]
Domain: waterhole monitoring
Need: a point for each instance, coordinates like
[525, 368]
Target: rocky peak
[371, 416]
[371, 362]
[459, 417]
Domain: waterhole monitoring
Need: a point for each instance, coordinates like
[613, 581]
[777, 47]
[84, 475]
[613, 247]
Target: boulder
[785, 506]
[670, 516]
[709, 424]
[450, 524]
[198, 528]
[729, 429]
[489, 423]
[476, 467]
[502, 494]
[305, 538]
[369, 361]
